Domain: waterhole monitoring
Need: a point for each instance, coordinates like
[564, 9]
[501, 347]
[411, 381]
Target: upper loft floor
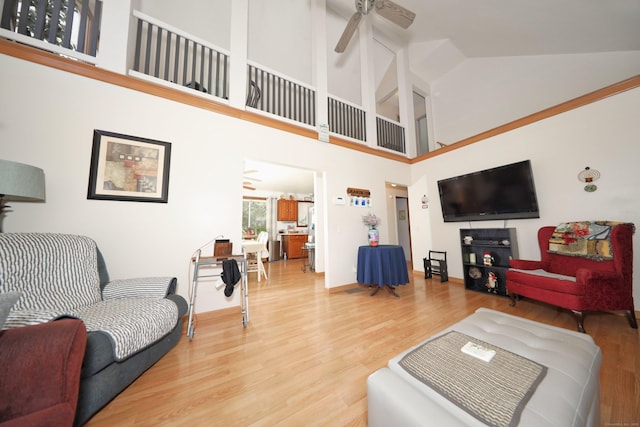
[118, 37]
[223, 53]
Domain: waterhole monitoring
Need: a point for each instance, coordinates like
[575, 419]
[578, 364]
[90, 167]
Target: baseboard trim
[211, 315]
[338, 289]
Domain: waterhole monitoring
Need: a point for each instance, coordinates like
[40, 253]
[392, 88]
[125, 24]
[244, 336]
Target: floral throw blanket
[588, 239]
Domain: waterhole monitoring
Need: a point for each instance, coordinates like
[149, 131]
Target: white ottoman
[569, 394]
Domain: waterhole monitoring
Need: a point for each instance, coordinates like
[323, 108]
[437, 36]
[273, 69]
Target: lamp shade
[20, 182]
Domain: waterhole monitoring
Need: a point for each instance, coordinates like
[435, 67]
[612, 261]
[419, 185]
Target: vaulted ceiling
[492, 28]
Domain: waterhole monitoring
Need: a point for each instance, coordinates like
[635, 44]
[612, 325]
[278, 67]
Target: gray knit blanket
[57, 276]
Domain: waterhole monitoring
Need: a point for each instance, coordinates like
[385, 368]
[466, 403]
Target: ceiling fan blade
[248, 188]
[395, 13]
[351, 27]
[252, 179]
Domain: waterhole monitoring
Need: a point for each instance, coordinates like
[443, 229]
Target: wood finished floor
[305, 356]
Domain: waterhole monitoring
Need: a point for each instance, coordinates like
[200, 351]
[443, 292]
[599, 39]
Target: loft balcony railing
[66, 27]
[390, 135]
[276, 94]
[72, 28]
[174, 56]
[347, 119]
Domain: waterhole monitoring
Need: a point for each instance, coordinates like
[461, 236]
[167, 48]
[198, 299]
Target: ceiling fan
[385, 8]
[248, 184]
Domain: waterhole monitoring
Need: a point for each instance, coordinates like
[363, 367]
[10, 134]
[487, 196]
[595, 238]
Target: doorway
[269, 184]
[398, 214]
[404, 235]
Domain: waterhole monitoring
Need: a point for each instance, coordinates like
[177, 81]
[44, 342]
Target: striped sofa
[131, 323]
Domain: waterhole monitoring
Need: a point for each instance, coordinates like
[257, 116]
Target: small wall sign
[358, 192]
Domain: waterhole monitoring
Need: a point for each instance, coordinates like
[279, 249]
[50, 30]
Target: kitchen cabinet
[287, 210]
[292, 245]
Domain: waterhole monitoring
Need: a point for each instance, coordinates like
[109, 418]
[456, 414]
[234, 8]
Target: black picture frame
[128, 168]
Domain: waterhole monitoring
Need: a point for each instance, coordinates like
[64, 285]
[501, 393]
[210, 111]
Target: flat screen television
[504, 192]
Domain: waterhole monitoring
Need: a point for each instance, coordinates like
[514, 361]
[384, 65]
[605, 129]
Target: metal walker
[208, 263]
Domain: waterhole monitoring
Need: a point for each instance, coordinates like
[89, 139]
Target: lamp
[20, 183]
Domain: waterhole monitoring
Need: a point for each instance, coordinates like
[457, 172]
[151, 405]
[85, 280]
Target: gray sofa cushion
[131, 323]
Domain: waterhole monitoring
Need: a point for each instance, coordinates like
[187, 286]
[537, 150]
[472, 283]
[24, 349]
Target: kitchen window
[254, 216]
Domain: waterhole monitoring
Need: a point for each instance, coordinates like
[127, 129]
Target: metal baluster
[167, 56]
[214, 91]
[68, 28]
[330, 114]
[202, 78]
[313, 107]
[8, 11]
[262, 85]
[271, 83]
[217, 73]
[306, 113]
[84, 18]
[23, 18]
[176, 59]
[185, 61]
[194, 58]
[148, 48]
[95, 29]
[136, 61]
[156, 67]
[278, 94]
[53, 22]
[224, 80]
[41, 18]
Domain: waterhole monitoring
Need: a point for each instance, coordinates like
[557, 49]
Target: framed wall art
[128, 168]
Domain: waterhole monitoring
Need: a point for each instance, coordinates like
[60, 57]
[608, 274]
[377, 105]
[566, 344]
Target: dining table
[255, 248]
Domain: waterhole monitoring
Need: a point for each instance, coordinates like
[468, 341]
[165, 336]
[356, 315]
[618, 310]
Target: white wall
[602, 135]
[209, 20]
[483, 93]
[280, 36]
[344, 69]
[54, 131]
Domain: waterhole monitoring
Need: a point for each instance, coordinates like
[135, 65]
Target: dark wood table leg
[375, 291]
[392, 290]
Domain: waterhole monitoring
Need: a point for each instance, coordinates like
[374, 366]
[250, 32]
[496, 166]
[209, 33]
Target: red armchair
[40, 373]
[577, 283]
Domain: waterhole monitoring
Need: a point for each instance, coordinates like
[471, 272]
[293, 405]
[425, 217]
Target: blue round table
[383, 265]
